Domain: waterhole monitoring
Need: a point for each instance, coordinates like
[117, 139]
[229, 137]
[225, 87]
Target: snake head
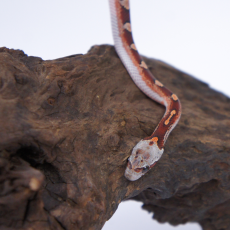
[143, 158]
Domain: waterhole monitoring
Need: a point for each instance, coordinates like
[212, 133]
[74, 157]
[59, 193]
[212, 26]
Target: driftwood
[68, 126]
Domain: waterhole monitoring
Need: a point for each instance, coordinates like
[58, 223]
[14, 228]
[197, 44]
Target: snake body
[149, 150]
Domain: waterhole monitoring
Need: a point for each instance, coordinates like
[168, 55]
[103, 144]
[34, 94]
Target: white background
[190, 35]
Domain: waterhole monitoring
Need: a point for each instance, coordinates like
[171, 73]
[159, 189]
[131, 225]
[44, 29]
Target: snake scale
[149, 150]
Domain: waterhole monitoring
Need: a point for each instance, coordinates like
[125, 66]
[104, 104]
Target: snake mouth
[143, 169]
[135, 174]
[138, 170]
[132, 175]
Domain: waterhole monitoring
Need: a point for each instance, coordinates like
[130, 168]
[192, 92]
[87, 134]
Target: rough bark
[68, 126]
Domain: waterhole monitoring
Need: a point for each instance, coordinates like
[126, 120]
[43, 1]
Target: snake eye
[129, 165]
[145, 169]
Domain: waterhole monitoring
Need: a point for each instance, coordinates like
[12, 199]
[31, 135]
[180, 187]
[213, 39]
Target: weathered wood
[68, 126]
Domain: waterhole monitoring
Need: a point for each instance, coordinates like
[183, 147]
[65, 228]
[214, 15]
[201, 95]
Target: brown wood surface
[67, 127]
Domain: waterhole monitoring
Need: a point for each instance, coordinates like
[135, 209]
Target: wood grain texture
[68, 126]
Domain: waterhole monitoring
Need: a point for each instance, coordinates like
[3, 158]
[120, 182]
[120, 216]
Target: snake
[150, 149]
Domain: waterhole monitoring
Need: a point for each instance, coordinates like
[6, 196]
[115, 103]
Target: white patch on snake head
[142, 159]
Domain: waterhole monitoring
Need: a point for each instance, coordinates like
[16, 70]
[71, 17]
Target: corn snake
[149, 150]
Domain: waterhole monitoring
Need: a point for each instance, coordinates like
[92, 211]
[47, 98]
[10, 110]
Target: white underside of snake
[149, 150]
